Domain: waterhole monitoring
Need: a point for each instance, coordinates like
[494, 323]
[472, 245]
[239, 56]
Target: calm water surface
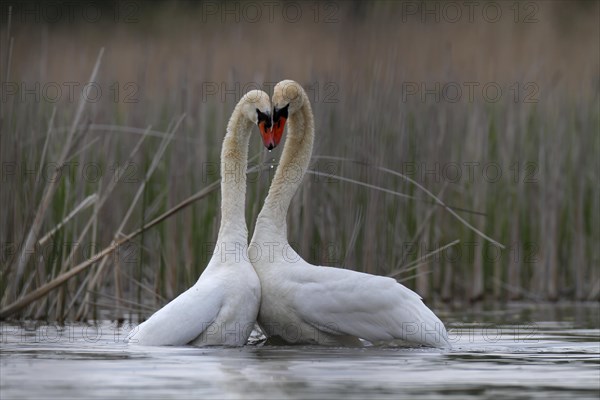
[520, 351]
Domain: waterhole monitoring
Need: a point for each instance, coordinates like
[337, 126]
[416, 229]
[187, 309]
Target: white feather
[221, 308]
[304, 303]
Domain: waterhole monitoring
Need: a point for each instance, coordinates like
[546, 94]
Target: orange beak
[266, 132]
[280, 116]
[278, 126]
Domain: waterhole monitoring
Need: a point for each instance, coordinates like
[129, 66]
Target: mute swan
[221, 307]
[304, 303]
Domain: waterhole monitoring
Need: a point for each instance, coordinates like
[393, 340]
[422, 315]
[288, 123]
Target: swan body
[221, 307]
[304, 303]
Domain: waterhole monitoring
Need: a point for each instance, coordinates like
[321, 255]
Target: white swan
[221, 308]
[304, 303]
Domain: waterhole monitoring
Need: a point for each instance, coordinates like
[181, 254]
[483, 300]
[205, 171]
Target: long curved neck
[292, 167]
[234, 159]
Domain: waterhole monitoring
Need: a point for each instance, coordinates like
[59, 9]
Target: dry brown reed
[383, 86]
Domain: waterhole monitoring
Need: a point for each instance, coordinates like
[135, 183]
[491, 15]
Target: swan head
[287, 99]
[256, 107]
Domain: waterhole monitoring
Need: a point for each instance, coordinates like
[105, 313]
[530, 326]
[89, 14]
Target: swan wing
[374, 308]
[184, 318]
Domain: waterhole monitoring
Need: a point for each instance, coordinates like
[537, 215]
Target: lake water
[518, 351]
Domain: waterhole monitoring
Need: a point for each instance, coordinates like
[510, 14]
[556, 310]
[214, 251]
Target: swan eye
[263, 117]
[280, 113]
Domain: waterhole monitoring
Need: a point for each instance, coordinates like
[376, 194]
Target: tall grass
[542, 135]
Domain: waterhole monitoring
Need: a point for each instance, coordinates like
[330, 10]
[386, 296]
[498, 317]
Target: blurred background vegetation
[494, 108]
